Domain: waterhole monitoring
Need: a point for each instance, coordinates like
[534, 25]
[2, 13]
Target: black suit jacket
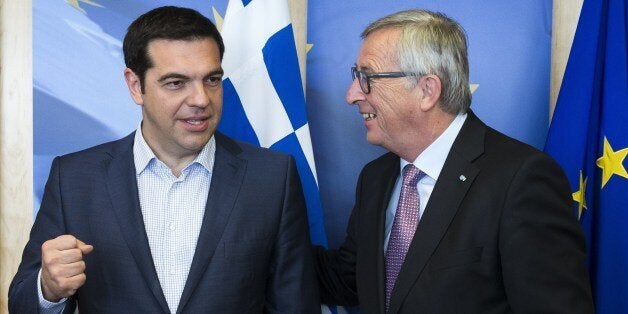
[252, 253]
[498, 235]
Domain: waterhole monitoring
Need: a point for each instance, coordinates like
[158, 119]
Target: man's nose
[354, 93]
[199, 96]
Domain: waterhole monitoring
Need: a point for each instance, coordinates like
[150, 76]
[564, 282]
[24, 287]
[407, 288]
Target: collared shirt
[173, 209]
[430, 162]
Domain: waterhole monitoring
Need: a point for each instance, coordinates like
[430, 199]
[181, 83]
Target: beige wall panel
[565, 15]
[298, 13]
[16, 137]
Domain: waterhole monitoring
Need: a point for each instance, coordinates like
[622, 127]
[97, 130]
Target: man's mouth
[194, 122]
[369, 116]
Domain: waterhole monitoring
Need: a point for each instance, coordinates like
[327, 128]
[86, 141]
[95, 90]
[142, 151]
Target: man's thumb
[84, 247]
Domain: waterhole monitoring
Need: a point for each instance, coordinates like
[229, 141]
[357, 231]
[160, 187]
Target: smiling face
[399, 115]
[391, 109]
[182, 99]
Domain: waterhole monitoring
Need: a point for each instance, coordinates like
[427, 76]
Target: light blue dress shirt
[173, 209]
[430, 162]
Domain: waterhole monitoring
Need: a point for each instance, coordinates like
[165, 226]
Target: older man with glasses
[456, 217]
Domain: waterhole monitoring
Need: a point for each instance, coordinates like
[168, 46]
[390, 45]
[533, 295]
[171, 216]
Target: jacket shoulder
[100, 153]
[249, 151]
[507, 148]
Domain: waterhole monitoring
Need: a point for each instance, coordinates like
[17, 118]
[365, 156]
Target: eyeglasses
[365, 78]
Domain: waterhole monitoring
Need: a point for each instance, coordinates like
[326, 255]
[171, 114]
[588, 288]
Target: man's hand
[62, 267]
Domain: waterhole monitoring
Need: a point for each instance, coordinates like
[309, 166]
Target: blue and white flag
[264, 102]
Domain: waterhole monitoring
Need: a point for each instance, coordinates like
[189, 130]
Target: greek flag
[263, 94]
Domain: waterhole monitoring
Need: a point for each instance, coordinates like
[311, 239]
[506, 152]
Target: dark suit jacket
[252, 254]
[502, 240]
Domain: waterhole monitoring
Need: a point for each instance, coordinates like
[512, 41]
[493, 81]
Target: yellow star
[75, 4]
[578, 196]
[611, 162]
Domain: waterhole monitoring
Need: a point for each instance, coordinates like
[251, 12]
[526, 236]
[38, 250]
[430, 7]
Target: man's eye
[214, 80]
[174, 84]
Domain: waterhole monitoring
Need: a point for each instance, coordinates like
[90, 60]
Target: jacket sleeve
[336, 269]
[542, 244]
[291, 287]
[49, 224]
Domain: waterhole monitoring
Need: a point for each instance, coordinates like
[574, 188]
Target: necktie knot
[411, 175]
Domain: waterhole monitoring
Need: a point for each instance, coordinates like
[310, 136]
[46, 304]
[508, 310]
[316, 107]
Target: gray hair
[432, 43]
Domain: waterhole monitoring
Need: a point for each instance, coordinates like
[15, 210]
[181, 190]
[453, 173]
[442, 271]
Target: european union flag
[589, 138]
[263, 95]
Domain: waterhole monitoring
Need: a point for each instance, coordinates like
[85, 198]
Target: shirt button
[172, 227]
[173, 271]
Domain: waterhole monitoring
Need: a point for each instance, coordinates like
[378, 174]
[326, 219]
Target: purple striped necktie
[404, 225]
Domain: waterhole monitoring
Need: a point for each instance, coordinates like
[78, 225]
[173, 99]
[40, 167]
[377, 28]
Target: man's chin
[373, 140]
[197, 143]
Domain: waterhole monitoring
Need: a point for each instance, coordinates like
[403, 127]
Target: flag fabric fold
[589, 138]
[264, 102]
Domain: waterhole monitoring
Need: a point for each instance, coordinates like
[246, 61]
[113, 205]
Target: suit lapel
[122, 187]
[227, 177]
[376, 195]
[453, 183]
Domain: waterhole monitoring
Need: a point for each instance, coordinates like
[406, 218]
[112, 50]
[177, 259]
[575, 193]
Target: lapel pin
[462, 178]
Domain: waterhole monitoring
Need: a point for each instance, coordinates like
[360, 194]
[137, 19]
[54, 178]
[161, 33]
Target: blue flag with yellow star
[589, 138]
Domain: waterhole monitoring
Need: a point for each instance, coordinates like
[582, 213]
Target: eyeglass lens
[362, 79]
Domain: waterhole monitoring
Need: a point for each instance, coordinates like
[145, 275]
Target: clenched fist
[62, 266]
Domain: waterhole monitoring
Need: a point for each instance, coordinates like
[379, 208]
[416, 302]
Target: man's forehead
[384, 36]
[196, 57]
[378, 50]
[165, 42]
[178, 48]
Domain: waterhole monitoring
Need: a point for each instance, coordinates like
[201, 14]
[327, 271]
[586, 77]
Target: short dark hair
[168, 22]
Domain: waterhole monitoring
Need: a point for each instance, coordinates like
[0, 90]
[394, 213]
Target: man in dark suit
[174, 217]
[457, 217]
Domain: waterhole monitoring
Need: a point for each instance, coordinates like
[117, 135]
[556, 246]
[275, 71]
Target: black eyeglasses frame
[355, 73]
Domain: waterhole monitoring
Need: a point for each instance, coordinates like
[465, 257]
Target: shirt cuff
[46, 306]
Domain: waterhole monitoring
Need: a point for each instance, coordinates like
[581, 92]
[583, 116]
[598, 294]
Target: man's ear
[135, 86]
[431, 88]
